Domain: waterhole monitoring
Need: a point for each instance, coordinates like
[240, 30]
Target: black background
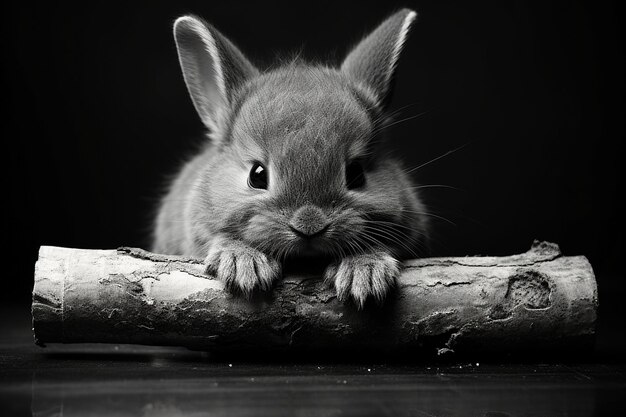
[96, 115]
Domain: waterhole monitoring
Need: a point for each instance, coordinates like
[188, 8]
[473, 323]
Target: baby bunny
[293, 167]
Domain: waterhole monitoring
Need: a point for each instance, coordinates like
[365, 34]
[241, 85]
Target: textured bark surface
[533, 302]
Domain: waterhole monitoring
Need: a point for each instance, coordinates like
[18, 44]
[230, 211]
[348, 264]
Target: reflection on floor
[107, 380]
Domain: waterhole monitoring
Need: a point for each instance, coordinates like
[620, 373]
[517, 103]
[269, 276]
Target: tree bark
[535, 302]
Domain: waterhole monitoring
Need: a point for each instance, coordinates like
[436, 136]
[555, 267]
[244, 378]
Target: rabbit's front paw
[361, 276]
[242, 269]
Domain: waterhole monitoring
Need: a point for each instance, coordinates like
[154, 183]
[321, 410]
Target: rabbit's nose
[308, 221]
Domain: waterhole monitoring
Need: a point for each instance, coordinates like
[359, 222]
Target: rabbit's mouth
[312, 245]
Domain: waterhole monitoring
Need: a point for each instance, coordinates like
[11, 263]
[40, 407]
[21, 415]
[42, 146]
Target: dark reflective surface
[107, 380]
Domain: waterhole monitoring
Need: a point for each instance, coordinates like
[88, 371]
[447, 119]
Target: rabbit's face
[302, 176]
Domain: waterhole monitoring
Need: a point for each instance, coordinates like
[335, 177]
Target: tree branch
[533, 302]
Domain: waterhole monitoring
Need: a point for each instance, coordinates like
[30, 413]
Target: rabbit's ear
[373, 60]
[212, 66]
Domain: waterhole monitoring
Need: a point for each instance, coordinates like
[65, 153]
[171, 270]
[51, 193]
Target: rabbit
[292, 167]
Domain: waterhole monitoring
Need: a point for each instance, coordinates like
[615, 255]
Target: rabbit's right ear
[373, 61]
[212, 66]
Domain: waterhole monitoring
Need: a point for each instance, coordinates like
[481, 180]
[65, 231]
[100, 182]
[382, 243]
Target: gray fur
[305, 123]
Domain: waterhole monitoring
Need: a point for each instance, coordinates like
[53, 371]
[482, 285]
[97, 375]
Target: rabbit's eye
[355, 176]
[258, 176]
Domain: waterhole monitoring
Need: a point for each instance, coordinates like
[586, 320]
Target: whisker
[392, 226]
[433, 186]
[390, 223]
[397, 111]
[393, 238]
[436, 159]
[353, 246]
[424, 213]
[404, 120]
[358, 240]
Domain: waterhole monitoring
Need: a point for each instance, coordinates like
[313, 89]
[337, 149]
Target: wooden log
[538, 301]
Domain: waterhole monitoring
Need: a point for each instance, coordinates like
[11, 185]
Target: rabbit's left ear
[373, 60]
